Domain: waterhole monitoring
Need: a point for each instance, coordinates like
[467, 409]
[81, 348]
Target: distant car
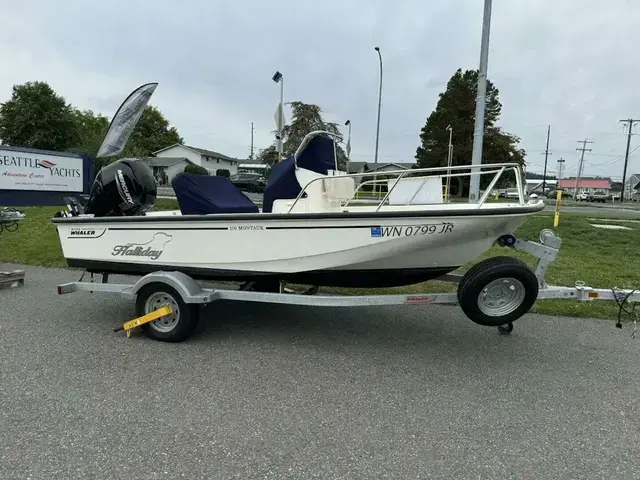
[250, 182]
[597, 197]
[511, 193]
[581, 197]
[554, 194]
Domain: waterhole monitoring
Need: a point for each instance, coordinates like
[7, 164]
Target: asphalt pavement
[295, 392]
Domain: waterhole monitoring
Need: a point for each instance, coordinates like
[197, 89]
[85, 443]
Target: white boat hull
[341, 251]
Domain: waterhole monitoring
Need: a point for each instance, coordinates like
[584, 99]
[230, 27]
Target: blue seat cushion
[204, 195]
[318, 157]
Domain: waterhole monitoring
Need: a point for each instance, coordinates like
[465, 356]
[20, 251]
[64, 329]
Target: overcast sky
[569, 63]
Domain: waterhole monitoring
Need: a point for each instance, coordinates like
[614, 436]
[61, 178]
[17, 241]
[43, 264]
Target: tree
[456, 107]
[268, 156]
[194, 169]
[36, 117]
[91, 128]
[151, 134]
[306, 118]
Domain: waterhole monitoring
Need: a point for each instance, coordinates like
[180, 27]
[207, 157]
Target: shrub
[223, 172]
[195, 170]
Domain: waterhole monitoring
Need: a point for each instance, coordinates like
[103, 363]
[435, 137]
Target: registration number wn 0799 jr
[411, 230]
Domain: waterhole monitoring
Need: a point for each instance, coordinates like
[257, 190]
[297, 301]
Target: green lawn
[600, 258]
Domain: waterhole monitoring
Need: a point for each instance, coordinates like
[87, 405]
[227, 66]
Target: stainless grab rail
[497, 169]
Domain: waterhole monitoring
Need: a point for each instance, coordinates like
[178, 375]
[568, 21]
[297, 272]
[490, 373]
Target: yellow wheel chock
[149, 317]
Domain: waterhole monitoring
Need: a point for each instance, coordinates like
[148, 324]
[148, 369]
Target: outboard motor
[123, 188]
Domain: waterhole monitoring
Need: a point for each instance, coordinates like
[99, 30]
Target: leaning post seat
[318, 156]
[204, 195]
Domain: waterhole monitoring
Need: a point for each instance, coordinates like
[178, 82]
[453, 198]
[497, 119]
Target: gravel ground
[292, 392]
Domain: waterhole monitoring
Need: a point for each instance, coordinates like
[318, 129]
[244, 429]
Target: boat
[312, 228]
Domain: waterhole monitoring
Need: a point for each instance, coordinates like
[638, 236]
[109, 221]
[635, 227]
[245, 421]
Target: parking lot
[293, 392]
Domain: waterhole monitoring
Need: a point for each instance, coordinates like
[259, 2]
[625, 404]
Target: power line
[630, 122]
[580, 165]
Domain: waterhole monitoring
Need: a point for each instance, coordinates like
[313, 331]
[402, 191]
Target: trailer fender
[187, 287]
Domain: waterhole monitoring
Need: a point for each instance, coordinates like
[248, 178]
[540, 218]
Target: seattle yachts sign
[42, 172]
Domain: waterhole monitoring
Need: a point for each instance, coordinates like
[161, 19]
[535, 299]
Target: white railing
[497, 169]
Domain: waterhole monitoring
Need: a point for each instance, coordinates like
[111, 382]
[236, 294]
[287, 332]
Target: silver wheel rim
[501, 297]
[168, 322]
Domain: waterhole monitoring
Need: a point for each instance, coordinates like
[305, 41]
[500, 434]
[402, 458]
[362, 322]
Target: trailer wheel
[497, 291]
[173, 328]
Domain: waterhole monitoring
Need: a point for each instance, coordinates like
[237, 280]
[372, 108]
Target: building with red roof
[586, 185]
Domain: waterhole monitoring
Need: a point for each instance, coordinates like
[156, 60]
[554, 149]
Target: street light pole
[278, 78]
[348, 148]
[377, 49]
[478, 133]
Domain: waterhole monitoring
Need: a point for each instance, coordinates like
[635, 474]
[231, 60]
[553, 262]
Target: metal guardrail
[498, 169]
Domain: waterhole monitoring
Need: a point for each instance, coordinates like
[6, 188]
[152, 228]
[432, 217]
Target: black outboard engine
[123, 188]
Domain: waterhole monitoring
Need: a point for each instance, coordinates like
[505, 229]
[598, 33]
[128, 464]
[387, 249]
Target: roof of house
[603, 183]
[211, 153]
[633, 178]
[201, 151]
[164, 161]
[372, 166]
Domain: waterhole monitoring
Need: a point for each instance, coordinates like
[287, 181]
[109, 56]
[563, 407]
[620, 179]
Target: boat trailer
[494, 292]
[9, 219]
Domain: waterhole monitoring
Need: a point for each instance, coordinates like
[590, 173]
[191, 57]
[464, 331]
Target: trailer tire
[508, 273]
[177, 327]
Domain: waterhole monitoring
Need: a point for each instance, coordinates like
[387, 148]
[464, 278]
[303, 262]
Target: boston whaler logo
[86, 232]
[152, 249]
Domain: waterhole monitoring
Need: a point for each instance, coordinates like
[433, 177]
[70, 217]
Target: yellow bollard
[556, 217]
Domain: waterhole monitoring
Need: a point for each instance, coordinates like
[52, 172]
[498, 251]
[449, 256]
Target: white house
[208, 159]
[632, 187]
[534, 185]
[360, 167]
[167, 166]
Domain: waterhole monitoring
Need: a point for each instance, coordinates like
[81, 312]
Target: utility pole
[631, 122]
[560, 169]
[546, 154]
[449, 162]
[377, 49]
[582, 149]
[251, 154]
[478, 129]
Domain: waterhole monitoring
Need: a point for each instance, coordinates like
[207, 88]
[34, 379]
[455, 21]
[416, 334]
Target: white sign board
[32, 171]
[279, 117]
[427, 190]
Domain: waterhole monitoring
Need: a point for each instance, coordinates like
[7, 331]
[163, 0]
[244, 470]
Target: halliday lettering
[135, 251]
[151, 249]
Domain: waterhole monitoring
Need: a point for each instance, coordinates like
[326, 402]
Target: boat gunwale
[227, 217]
